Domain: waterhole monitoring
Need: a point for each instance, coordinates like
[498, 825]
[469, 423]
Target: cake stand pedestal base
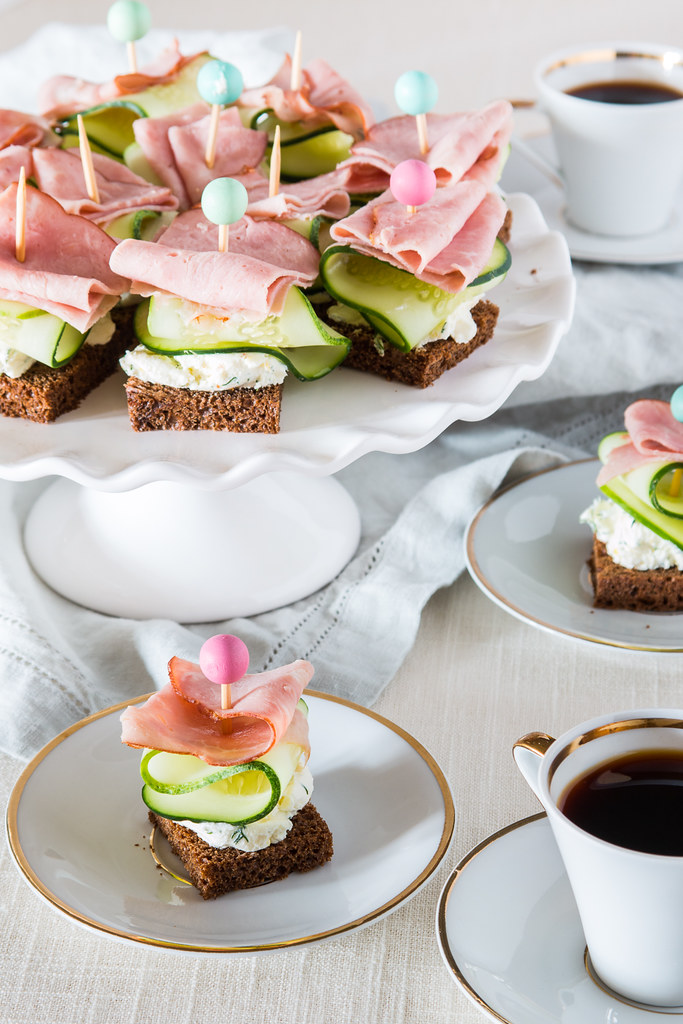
[171, 551]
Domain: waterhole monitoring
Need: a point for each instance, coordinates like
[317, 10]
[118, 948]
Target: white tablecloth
[475, 679]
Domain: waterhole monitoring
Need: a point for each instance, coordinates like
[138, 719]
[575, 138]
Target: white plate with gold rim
[78, 831]
[509, 933]
[527, 551]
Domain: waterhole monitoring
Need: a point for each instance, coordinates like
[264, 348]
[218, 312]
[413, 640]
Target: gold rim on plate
[32, 878]
[442, 910]
[488, 588]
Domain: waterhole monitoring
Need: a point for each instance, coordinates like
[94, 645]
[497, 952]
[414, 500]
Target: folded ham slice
[446, 242]
[59, 172]
[264, 260]
[175, 147]
[66, 270]
[324, 97]
[63, 95]
[185, 717]
[12, 159]
[322, 195]
[469, 145]
[152, 135]
[654, 436]
[18, 129]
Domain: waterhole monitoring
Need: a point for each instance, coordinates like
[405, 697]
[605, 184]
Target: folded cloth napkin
[60, 662]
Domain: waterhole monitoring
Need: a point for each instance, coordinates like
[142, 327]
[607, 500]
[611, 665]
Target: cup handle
[537, 161]
[528, 753]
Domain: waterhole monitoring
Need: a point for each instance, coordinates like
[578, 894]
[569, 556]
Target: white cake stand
[202, 526]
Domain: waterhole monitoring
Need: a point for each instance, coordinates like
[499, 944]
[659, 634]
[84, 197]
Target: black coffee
[626, 92]
[634, 801]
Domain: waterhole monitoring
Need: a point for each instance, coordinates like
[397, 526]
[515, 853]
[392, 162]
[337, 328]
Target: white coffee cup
[630, 903]
[621, 163]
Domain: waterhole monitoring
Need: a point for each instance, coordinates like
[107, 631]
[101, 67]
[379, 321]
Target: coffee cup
[616, 112]
[607, 786]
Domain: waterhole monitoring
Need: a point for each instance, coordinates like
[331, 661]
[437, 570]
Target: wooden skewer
[275, 161]
[223, 240]
[210, 153]
[20, 239]
[295, 77]
[225, 696]
[422, 132]
[132, 57]
[675, 487]
[86, 161]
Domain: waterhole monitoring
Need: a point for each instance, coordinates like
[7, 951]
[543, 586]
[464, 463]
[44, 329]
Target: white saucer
[88, 854]
[665, 246]
[509, 931]
[527, 551]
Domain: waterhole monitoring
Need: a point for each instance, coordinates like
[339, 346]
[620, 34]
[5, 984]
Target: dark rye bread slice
[43, 393]
[307, 845]
[422, 366]
[242, 410]
[636, 590]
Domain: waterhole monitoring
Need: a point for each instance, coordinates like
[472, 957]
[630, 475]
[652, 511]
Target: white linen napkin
[60, 662]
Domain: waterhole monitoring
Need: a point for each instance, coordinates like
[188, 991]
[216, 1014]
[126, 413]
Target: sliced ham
[446, 242]
[151, 133]
[160, 71]
[175, 147]
[460, 145]
[18, 129]
[185, 717]
[63, 95]
[66, 270]
[324, 97]
[12, 159]
[654, 436]
[319, 196]
[59, 172]
[263, 261]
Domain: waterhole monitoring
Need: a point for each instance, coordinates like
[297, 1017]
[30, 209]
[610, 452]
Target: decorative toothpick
[218, 83]
[128, 21]
[416, 93]
[676, 406]
[412, 183]
[224, 659]
[295, 76]
[224, 201]
[275, 161]
[86, 161]
[20, 234]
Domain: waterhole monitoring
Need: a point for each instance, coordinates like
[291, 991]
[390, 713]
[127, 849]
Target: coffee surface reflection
[634, 801]
[626, 92]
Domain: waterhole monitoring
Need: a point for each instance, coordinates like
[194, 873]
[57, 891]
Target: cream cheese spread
[459, 326]
[101, 332]
[628, 542]
[210, 371]
[14, 363]
[264, 832]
